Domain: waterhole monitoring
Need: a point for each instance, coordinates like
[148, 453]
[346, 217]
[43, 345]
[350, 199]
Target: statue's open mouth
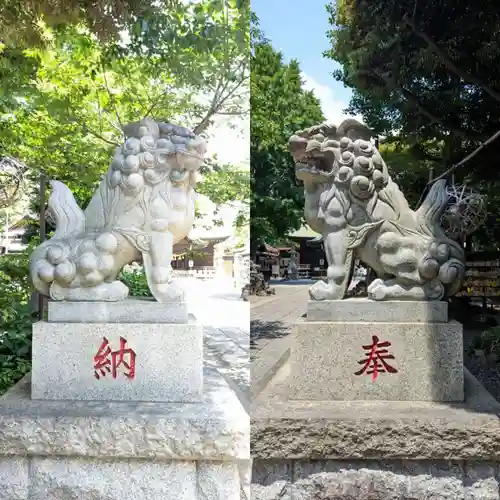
[314, 163]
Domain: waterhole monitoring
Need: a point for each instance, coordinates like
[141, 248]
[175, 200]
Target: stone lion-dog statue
[352, 202]
[144, 205]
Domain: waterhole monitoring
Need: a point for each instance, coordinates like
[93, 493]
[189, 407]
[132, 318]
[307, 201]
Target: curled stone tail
[68, 216]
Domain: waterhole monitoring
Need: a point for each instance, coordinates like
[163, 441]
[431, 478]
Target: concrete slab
[125, 451]
[271, 358]
[215, 430]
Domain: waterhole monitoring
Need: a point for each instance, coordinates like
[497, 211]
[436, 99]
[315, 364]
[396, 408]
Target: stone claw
[377, 290]
[325, 291]
[169, 292]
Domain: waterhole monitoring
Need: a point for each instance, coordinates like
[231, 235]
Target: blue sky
[298, 29]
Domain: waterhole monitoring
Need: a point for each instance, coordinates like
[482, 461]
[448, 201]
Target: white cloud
[332, 107]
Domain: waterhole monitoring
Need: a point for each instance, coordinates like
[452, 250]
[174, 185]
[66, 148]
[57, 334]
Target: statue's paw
[374, 284]
[377, 290]
[168, 292]
[324, 291]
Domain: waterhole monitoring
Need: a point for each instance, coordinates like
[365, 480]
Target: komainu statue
[144, 205]
[351, 200]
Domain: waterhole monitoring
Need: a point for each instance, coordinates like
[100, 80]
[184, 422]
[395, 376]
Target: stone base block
[123, 451]
[49, 478]
[372, 450]
[118, 361]
[364, 310]
[378, 361]
[131, 310]
[375, 480]
[286, 429]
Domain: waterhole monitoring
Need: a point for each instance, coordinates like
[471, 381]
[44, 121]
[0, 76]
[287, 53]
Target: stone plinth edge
[363, 310]
[216, 429]
[132, 310]
[378, 430]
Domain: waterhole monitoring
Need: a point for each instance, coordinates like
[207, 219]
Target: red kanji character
[101, 360]
[107, 361]
[375, 361]
[118, 358]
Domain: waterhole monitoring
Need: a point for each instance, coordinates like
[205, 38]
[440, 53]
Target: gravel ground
[487, 373]
[475, 322]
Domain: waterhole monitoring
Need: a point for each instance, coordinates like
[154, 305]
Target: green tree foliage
[424, 75]
[63, 110]
[418, 63]
[15, 320]
[227, 184]
[205, 44]
[280, 106]
[69, 81]
[21, 20]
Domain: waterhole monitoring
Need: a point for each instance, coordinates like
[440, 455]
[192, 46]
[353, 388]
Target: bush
[487, 341]
[134, 277]
[15, 330]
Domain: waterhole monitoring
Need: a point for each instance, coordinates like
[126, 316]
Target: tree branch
[452, 169]
[449, 64]
[111, 97]
[216, 106]
[95, 134]
[414, 14]
[213, 105]
[414, 101]
[494, 137]
[232, 113]
[153, 106]
[156, 102]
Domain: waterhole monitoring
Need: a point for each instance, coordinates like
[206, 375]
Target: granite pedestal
[368, 450]
[133, 350]
[148, 418]
[124, 450]
[370, 350]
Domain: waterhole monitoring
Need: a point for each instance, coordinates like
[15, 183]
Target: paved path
[273, 316]
[231, 339]
[216, 302]
[225, 317]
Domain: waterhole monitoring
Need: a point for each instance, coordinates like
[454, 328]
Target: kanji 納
[108, 361]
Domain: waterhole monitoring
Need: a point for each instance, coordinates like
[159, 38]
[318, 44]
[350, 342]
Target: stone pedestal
[309, 449]
[363, 350]
[363, 310]
[126, 351]
[124, 450]
[132, 310]
[375, 450]
[148, 419]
